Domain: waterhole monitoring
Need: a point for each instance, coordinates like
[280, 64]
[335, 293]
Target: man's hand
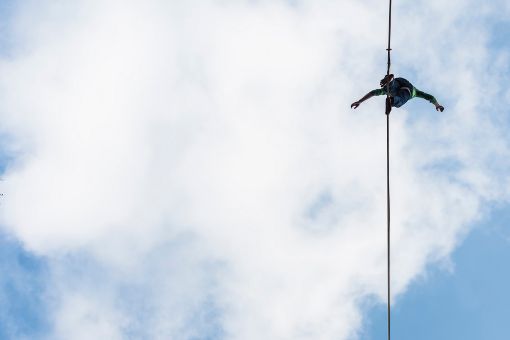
[439, 108]
[355, 105]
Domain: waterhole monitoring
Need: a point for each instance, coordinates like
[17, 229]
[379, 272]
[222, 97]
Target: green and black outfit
[401, 90]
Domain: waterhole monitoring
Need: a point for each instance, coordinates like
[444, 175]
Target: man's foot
[388, 105]
[387, 78]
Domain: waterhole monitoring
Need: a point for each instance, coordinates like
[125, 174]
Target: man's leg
[387, 78]
[389, 102]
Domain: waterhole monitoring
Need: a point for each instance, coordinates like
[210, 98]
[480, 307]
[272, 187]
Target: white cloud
[204, 156]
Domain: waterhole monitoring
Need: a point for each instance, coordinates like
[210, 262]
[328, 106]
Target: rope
[388, 200]
[388, 175]
[389, 42]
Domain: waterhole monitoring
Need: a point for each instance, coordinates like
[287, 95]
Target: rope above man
[400, 91]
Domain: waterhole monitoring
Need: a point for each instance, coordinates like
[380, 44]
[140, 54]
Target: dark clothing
[401, 90]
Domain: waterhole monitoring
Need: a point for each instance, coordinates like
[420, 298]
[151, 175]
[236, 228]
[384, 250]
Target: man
[401, 90]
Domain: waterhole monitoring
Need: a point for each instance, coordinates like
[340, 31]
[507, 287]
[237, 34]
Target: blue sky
[24, 292]
[467, 303]
[181, 184]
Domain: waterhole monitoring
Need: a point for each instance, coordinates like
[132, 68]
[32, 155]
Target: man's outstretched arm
[430, 98]
[369, 95]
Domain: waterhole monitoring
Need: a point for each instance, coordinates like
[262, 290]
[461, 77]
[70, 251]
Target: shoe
[387, 78]
[388, 105]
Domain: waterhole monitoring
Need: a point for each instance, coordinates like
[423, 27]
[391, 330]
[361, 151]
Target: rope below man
[400, 91]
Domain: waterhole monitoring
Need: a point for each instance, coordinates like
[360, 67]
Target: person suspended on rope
[400, 91]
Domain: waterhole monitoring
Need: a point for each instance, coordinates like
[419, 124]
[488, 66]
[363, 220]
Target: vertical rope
[388, 177]
[388, 200]
[389, 42]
